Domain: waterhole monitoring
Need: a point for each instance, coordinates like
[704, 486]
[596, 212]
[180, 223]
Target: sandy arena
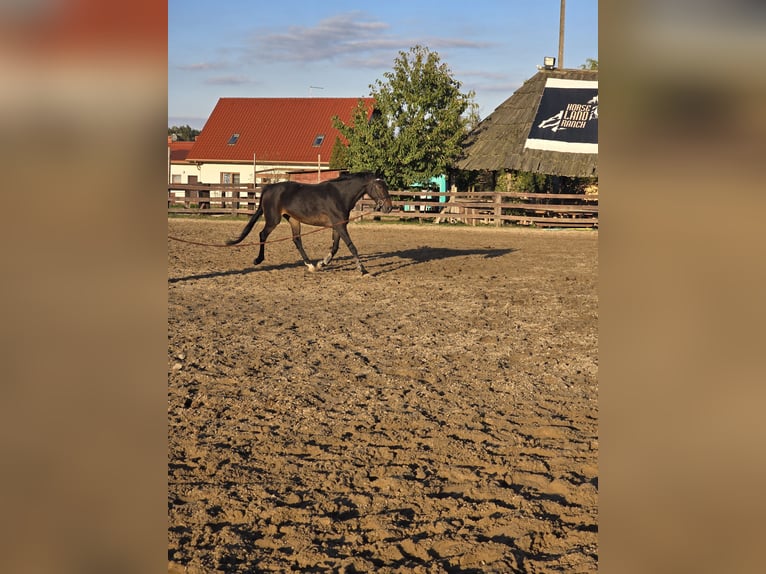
[439, 415]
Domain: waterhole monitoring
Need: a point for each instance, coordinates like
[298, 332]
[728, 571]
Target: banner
[567, 117]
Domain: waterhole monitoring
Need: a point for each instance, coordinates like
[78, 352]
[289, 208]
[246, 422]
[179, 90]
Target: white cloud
[329, 38]
[203, 66]
[228, 80]
[352, 38]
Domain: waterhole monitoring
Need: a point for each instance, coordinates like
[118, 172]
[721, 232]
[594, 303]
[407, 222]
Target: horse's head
[378, 190]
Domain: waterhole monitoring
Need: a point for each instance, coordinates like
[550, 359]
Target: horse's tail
[248, 228]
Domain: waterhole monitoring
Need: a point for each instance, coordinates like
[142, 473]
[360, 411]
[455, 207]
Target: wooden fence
[469, 207]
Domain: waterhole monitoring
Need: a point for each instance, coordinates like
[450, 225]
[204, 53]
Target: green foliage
[339, 155]
[420, 118]
[529, 182]
[183, 133]
[590, 64]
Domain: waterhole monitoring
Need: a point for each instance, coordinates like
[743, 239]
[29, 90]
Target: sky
[338, 48]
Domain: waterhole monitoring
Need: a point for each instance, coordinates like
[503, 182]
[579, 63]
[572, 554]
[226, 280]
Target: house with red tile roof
[180, 170]
[260, 140]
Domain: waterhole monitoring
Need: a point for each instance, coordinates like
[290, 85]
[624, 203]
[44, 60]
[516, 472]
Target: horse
[325, 204]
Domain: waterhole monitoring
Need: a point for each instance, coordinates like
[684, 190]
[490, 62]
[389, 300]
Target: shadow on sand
[377, 263]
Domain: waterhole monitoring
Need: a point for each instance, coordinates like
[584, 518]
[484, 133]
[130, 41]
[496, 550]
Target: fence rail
[469, 207]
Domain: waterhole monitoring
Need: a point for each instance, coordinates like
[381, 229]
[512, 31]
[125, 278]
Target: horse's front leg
[343, 232]
[333, 250]
[296, 227]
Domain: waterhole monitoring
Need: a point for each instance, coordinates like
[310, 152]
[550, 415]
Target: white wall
[211, 172]
[184, 170]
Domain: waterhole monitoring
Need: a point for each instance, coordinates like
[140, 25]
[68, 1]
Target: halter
[378, 202]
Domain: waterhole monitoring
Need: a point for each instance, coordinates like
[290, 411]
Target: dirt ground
[437, 415]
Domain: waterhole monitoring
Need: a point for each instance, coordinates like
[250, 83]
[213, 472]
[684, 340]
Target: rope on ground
[258, 243]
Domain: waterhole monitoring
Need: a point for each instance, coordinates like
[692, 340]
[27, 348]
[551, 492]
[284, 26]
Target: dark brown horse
[326, 204]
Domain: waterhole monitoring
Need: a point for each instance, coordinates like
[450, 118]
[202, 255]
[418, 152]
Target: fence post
[498, 210]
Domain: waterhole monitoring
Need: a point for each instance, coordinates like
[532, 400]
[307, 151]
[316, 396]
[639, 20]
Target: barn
[503, 140]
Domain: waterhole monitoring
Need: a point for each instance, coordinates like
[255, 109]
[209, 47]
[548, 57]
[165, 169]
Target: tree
[339, 155]
[420, 119]
[184, 133]
[590, 64]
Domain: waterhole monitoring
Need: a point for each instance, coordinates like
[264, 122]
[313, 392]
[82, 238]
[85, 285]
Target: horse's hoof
[311, 267]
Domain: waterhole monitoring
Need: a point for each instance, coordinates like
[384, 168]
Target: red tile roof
[274, 129]
[179, 150]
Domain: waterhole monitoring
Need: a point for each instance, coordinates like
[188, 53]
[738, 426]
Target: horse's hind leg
[333, 250]
[262, 238]
[296, 227]
[265, 232]
[343, 232]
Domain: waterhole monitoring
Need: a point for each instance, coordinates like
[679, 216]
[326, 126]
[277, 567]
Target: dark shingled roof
[497, 143]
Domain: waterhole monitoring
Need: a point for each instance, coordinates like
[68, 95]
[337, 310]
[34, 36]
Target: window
[318, 140]
[233, 139]
[229, 178]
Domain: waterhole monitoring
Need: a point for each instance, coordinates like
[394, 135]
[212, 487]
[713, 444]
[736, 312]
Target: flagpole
[561, 33]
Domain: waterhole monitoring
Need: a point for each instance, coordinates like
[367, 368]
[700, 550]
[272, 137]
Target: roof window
[318, 140]
[233, 139]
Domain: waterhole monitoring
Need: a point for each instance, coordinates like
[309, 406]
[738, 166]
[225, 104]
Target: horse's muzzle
[383, 206]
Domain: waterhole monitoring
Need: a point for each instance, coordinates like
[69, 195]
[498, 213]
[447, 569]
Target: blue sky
[337, 48]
